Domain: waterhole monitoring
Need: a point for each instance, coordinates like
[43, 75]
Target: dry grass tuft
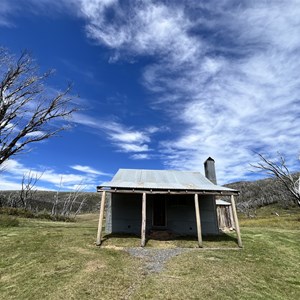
[94, 266]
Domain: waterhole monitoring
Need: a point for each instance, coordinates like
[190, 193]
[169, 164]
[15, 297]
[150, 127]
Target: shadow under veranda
[170, 240]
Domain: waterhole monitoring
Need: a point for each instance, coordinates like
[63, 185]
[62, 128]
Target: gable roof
[163, 180]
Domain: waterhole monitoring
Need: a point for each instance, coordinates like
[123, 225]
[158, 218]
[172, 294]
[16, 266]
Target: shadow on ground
[169, 239]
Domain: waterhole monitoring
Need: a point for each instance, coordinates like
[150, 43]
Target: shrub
[8, 221]
[24, 213]
[21, 212]
[60, 218]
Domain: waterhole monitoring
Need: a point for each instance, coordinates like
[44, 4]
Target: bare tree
[28, 188]
[70, 205]
[28, 111]
[279, 170]
[24, 197]
[8, 199]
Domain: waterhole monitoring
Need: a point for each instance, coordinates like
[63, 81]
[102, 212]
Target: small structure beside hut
[224, 214]
[181, 202]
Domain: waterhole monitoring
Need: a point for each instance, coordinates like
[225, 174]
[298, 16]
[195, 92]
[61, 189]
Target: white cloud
[140, 156]
[230, 71]
[130, 137]
[36, 134]
[142, 28]
[89, 170]
[12, 165]
[154, 129]
[133, 148]
[6, 10]
[13, 171]
[9, 185]
[125, 138]
[10, 9]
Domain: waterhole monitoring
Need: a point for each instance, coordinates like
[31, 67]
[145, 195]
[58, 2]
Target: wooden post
[231, 217]
[143, 230]
[198, 220]
[102, 206]
[236, 221]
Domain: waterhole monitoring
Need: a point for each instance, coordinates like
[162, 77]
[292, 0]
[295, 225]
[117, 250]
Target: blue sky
[163, 84]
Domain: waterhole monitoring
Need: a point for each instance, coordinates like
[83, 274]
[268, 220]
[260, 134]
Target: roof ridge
[188, 171]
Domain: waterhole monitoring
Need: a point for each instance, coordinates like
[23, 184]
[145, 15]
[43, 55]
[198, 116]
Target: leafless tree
[23, 197]
[70, 205]
[279, 170]
[28, 188]
[28, 111]
[10, 200]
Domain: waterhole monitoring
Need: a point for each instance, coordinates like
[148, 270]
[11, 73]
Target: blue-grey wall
[124, 213]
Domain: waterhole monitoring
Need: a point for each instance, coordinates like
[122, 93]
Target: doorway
[159, 211]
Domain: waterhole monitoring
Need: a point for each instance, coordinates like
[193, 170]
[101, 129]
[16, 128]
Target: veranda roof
[222, 202]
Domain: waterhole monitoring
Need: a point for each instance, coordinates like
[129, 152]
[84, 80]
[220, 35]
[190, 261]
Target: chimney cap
[209, 159]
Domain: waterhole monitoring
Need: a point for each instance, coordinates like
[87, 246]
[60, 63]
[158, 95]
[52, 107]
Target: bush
[60, 218]
[21, 212]
[44, 214]
[24, 213]
[8, 221]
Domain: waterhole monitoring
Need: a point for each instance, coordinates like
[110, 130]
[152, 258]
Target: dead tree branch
[29, 112]
[279, 170]
[65, 207]
[28, 188]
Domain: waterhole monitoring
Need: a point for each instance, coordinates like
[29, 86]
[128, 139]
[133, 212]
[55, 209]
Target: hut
[182, 202]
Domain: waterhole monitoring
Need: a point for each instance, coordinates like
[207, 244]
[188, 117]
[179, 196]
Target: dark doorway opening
[159, 211]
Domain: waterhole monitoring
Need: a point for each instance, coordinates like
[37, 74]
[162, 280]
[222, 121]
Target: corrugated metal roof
[162, 179]
[222, 202]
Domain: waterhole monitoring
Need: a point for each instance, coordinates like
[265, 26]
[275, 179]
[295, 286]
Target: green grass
[274, 216]
[41, 259]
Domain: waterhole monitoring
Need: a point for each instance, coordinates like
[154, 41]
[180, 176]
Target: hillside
[254, 194]
[43, 200]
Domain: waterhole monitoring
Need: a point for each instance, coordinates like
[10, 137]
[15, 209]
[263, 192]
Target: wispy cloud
[126, 139]
[13, 172]
[230, 72]
[89, 170]
[141, 156]
[7, 9]
[144, 27]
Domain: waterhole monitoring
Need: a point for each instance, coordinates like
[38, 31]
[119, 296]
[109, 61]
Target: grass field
[54, 260]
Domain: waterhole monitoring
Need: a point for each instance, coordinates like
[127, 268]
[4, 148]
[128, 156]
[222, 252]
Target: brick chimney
[210, 171]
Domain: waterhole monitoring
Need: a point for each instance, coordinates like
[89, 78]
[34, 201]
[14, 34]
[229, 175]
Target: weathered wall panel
[126, 211]
[208, 213]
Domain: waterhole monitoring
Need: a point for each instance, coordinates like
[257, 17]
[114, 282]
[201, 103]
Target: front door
[159, 212]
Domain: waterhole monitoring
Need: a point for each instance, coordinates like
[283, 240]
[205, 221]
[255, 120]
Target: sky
[161, 85]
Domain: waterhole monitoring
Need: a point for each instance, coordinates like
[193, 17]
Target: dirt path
[155, 259]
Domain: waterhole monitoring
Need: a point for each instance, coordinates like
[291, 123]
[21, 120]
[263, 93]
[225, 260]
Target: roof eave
[112, 189]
